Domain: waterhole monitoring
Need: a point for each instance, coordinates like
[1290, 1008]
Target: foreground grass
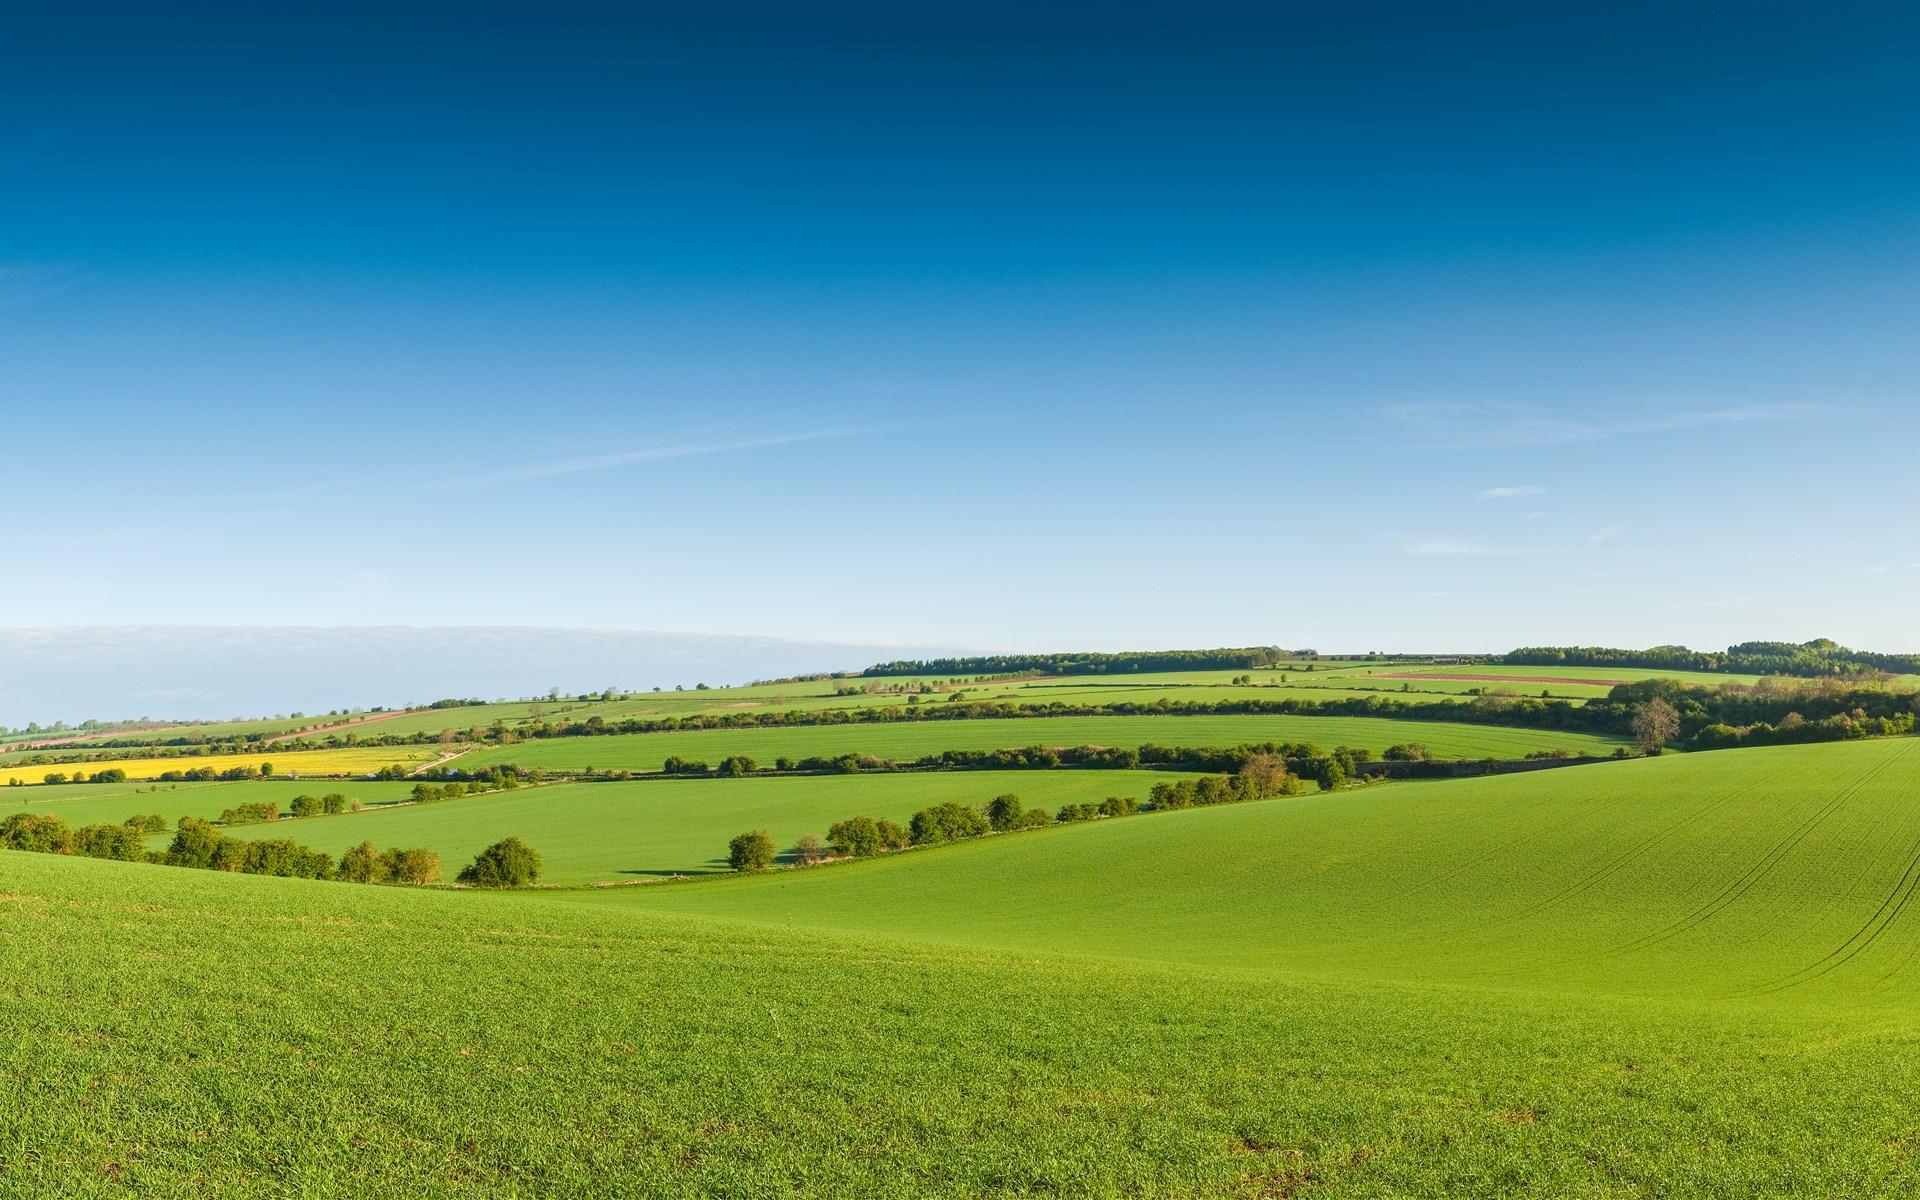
[170, 1033]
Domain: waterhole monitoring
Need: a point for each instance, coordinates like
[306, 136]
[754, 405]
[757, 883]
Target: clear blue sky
[1348, 326]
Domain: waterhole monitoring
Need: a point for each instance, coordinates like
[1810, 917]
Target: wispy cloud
[1509, 493]
[1451, 548]
[1605, 533]
[28, 283]
[1463, 425]
[627, 458]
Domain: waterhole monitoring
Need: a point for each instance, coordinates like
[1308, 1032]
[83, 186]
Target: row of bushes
[1793, 729]
[950, 821]
[198, 843]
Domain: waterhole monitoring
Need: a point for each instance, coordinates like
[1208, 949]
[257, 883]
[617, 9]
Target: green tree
[194, 843]
[751, 851]
[509, 862]
[362, 864]
[1005, 812]
[1654, 724]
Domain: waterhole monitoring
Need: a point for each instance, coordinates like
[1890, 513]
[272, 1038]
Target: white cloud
[1605, 533]
[1510, 493]
[602, 462]
[1467, 425]
[1450, 547]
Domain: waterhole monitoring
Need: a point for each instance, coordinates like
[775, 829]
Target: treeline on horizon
[1697, 706]
[1093, 662]
[1819, 657]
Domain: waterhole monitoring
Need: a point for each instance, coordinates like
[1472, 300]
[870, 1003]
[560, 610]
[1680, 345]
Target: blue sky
[1348, 326]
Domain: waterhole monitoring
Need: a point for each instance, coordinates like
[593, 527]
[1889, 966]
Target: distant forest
[1821, 656]
[1093, 663]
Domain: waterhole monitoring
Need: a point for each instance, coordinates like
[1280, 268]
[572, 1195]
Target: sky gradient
[1348, 326]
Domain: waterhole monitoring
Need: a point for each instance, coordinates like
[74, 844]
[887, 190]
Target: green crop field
[904, 740]
[1683, 976]
[88, 803]
[623, 832]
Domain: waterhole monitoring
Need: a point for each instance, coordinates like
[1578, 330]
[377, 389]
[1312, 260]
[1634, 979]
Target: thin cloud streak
[1509, 493]
[1462, 425]
[603, 462]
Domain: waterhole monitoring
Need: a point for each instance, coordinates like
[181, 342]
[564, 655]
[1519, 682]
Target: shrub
[421, 866]
[194, 844]
[282, 857]
[362, 864]
[1076, 812]
[333, 802]
[151, 823]
[507, 863]
[1119, 806]
[305, 806]
[855, 837]
[40, 832]
[675, 765]
[1005, 812]
[809, 851]
[750, 851]
[735, 765]
[53, 777]
[947, 822]
[253, 813]
[110, 775]
[1407, 752]
[124, 843]
[892, 836]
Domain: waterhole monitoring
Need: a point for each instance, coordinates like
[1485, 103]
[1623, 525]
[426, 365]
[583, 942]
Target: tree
[1005, 811]
[304, 806]
[420, 866]
[855, 837]
[362, 864]
[809, 851]
[948, 822]
[194, 844]
[735, 765]
[125, 843]
[333, 802]
[1655, 723]
[39, 832]
[1267, 773]
[751, 851]
[507, 863]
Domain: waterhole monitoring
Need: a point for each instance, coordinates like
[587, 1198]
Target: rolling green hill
[910, 740]
[620, 832]
[1685, 976]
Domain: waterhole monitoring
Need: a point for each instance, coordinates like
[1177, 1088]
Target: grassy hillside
[903, 741]
[621, 832]
[1272, 1008]
[90, 803]
[1784, 876]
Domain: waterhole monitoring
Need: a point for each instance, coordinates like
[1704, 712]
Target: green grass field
[903, 741]
[623, 832]
[1686, 976]
[87, 804]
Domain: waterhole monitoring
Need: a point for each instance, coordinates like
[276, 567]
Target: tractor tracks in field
[1875, 926]
[1760, 868]
[1615, 864]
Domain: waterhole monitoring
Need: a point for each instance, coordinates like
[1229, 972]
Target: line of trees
[950, 821]
[1088, 662]
[199, 844]
[1821, 656]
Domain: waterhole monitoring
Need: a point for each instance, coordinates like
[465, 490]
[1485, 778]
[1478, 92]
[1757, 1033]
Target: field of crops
[1685, 976]
[88, 804]
[354, 760]
[903, 741]
[623, 832]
